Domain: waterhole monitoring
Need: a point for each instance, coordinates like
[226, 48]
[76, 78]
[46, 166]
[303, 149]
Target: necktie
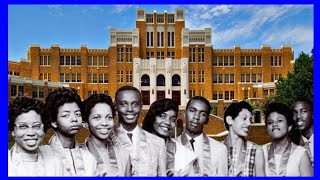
[306, 145]
[130, 136]
[196, 166]
[191, 142]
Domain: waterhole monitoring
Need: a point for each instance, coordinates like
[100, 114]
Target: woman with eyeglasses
[99, 112]
[283, 157]
[66, 120]
[28, 123]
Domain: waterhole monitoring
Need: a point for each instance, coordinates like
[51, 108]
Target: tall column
[168, 76]
[136, 73]
[153, 80]
[184, 81]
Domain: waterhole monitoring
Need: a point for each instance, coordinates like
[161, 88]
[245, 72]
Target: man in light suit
[212, 156]
[147, 151]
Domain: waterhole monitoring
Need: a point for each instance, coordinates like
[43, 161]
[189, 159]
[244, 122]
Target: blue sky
[71, 26]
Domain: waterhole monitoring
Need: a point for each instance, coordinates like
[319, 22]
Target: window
[231, 95]
[201, 55]
[119, 54]
[231, 61]
[201, 77]
[13, 90]
[161, 80]
[201, 92]
[89, 78]
[242, 78]
[192, 93]
[61, 77]
[265, 92]
[225, 63]
[170, 18]
[129, 55]
[253, 60]
[214, 61]
[176, 80]
[272, 62]
[120, 76]
[160, 39]
[73, 77]
[220, 94]
[215, 95]
[41, 92]
[245, 94]
[220, 78]
[129, 76]
[226, 78]
[78, 60]
[160, 55]
[247, 77]
[220, 60]
[94, 60]
[253, 78]
[145, 80]
[215, 78]
[170, 55]
[21, 90]
[61, 60]
[226, 95]
[45, 60]
[94, 78]
[73, 60]
[149, 18]
[259, 77]
[78, 77]
[170, 39]
[231, 78]
[247, 60]
[192, 76]
[35, 92]
[67, 60]
[258, 60]
[242, 60]
[67, 77]
[192, 54]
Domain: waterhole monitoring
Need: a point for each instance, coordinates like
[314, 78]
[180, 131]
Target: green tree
[299, 81]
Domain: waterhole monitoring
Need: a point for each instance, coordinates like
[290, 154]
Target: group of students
[126, 149]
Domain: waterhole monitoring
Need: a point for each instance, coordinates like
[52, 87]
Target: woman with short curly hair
[28, 123]
[99, 112]
[66, 120]
[283, 157]
[160, 120]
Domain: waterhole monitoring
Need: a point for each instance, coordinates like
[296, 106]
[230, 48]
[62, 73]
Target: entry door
[145, 97]
[176, 96]
[161, 95]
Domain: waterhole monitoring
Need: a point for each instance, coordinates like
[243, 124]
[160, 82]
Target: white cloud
[290, 35]
[55, 10]
[257, 17]
[120, 8]
[93, 8]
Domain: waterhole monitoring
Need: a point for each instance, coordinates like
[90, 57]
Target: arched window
[145, 80]
[161, 80]
[176, 80]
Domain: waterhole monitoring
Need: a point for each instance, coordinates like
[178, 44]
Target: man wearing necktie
[303, 118]
[147, 151]
[211, 155]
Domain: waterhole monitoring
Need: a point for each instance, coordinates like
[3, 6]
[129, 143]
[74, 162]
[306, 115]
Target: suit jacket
[149, 158]
[46, 164]
[214, 160]
[77, 161]
[115, 163]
